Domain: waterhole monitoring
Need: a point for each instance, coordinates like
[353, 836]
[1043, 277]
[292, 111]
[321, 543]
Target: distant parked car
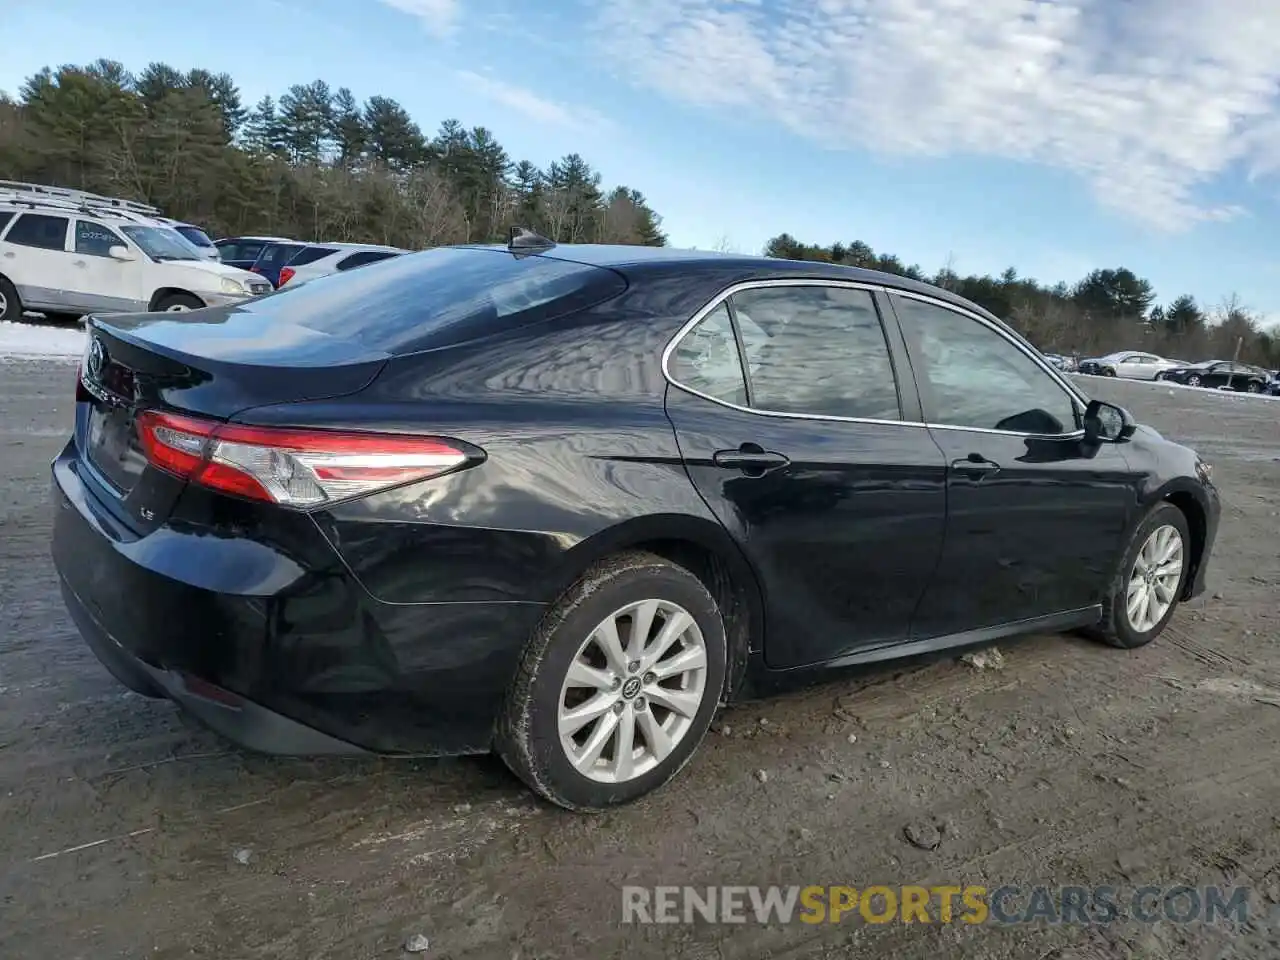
[1130, 364]
[243, 252]
[67, 260]
[1222, 374]
[194, 236]
[320, 260]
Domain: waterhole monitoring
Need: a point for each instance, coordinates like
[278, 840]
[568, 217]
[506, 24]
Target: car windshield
[160, 243]
[195, 235]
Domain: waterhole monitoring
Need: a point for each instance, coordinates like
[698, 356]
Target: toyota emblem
[97, 358]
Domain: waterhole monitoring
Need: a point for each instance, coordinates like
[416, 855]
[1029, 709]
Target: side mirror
[122, 253]
[1106, 421]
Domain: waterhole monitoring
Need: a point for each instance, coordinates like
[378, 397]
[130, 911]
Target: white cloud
[532, 106]
[438, 16]
[1148, 99]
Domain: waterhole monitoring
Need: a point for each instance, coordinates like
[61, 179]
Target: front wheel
[178, 303]
[10, 304]
[1108, 372]
[617, 686]
[1193, 381]
[1150, 581]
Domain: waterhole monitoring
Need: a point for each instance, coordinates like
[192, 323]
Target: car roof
[626, 259]
[256, 239]
[338, 247]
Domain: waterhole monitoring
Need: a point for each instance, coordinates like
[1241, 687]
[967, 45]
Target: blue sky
[1052, 135]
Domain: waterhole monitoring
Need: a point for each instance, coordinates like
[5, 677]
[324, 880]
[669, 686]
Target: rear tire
[10, 303]
[1152, 572]
[178, 303]
[586, 768]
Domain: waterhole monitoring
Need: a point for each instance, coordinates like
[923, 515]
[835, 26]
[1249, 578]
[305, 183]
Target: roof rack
[38, 202]
[21, 190]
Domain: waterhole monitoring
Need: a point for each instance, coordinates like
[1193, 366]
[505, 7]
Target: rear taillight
[294, 467]
[254, 269]
[286, 274]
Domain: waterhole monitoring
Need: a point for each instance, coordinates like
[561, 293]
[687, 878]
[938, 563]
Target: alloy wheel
[4, 304]
[1154, 579]
[1193, 381]
[632, 691]
[178, 308]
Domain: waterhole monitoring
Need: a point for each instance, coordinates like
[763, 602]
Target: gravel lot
[1072, 764]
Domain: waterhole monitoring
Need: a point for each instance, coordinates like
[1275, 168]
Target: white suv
[57, 258]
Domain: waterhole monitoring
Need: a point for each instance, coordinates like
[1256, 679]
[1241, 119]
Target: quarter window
[39, 230]
[971, 376]
[816, 350]
[95, 240]
[706, 360]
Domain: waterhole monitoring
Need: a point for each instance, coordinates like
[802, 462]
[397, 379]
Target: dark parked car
[243, 252]
[1219, 374]
[562, 501]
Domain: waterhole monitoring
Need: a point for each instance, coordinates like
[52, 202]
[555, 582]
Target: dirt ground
[1072, 764]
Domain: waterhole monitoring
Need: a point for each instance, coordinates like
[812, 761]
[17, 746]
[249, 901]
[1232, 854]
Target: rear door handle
[750, 457]
[975, 464]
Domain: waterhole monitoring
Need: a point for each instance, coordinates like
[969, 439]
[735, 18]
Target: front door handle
[750, 457]
[975, 465]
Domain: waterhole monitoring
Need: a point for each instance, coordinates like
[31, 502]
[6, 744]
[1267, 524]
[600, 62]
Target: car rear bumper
[271, 641]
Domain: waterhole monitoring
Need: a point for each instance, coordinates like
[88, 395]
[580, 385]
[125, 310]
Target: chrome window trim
[729, 291]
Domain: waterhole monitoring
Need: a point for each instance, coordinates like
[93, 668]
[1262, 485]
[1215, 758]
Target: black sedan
[561, 502]
[1219, 374]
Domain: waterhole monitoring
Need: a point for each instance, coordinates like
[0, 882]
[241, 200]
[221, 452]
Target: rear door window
[363, 257]
[39, 230]
[818, 350]
[310, 255]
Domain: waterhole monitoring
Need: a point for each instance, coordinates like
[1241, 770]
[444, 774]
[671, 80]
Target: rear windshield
[440, 297]
[278, 253]
[310, 255]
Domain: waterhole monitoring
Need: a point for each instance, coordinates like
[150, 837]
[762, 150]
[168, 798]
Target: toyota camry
[563, 502]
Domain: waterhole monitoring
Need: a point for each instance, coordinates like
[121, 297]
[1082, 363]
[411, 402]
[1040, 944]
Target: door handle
[749, 457]
[975, 464]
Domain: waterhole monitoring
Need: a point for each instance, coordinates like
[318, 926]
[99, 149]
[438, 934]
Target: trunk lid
[212, 363]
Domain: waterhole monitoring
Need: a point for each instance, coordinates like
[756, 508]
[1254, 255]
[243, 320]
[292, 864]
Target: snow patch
[32, 340]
